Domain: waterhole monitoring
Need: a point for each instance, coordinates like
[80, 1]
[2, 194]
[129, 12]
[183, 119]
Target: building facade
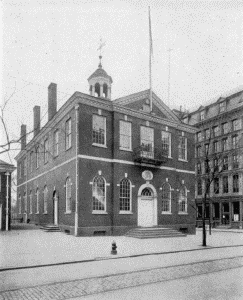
[219, 159]
[103, 167]
[5, 194]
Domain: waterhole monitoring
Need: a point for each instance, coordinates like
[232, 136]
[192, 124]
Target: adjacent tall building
[219, 158]
[103, 167]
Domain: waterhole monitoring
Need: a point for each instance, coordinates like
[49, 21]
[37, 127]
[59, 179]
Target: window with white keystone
[182, 148]
[183, 200]
[166, 198]
[166, 142]
[99, 194]
[125, 195]
[68, 186]
[99, 130]
[125, 135]
[147, 141]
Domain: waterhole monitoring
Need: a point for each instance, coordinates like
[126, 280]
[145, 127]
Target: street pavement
[102, 284]
[26, 248]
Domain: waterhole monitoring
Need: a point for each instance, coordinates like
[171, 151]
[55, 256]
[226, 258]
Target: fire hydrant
[113, 248]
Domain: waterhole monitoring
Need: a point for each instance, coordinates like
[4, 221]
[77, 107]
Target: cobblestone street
[95, 285]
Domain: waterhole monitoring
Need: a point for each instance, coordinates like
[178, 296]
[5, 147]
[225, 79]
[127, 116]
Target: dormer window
[222, 106]
[202, 115]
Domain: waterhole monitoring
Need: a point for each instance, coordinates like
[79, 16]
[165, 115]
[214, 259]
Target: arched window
[25, 203]
[105, 90]
[31, 204]
[68, 195]
[19, 204]
[97, 90]
[125, 195]
[183, 200]
[147, 192]
[45, 199]
[37, 200]
[166, 198]
[99, 194]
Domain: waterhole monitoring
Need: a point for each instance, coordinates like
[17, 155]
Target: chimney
[23, 137]
[36, 128]
[52, 100]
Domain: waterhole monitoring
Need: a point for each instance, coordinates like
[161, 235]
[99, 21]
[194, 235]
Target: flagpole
[150, 63]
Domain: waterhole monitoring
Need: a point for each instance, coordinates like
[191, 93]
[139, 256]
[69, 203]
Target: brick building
[5, 194]
[219, 139]
[102, 166]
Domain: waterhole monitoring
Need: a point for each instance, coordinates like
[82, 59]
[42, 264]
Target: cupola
[100, 83]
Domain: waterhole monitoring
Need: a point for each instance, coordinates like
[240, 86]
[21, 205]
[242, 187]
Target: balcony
[148, 155]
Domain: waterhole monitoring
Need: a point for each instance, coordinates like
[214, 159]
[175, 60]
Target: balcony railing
[149, 155]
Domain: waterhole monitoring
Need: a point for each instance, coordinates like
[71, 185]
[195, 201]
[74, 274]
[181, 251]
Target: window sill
[45, 213]
[184, 160]
[97, 212]
[170, 157]
[124, 149]
[182, 213]
[68, 212]
[66, 149]
[166, 213]
[37, 213]
[125, 212]
[99, 145]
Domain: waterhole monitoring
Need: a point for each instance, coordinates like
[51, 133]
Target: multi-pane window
[216, 130]
[99, 194]
[68, 134]
[216, 164]
[207, 166]
[207, 133]
[206, 149]
[24, 166]
[199, 168]
[202, 115]
[166, 142]
[222, 106]
[225, 163]
[235, 124]
[235, 161]
[37, 201]
[125, 195]
[216, 185]
[199, 148]
[183, 200]
[224, 128]
[225, 144]
[235, 183]
[216, 146]
[45, 199]
[225, 184]
[25, 203]
[56, 143]
[19, 204]
[199, 187]
[31, 161]
[46, 149]
[234, 141]
[182, 148]
[68, 195]
[31, 203]
[125, 135]
[199, 136]
[37, 157]
[147, 141]
[99, 130]
[166, 198]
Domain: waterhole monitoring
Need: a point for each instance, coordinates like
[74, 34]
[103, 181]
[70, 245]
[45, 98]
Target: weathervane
[102, 44]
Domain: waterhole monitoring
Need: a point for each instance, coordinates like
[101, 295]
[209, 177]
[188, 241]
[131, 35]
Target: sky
[57, 41]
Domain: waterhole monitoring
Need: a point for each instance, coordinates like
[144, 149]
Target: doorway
[147, 206]
[55, 204]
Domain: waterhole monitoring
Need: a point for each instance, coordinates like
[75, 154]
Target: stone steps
[50, 228]
[154, 232]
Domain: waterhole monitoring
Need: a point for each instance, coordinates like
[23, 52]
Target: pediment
[141, 102]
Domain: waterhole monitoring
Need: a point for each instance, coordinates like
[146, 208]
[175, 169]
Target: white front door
[55, 209]
[147, 209]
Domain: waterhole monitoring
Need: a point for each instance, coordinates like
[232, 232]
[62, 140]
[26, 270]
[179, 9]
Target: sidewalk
[26, 248]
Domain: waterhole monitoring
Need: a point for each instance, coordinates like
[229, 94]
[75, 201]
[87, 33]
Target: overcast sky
[57, 41]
